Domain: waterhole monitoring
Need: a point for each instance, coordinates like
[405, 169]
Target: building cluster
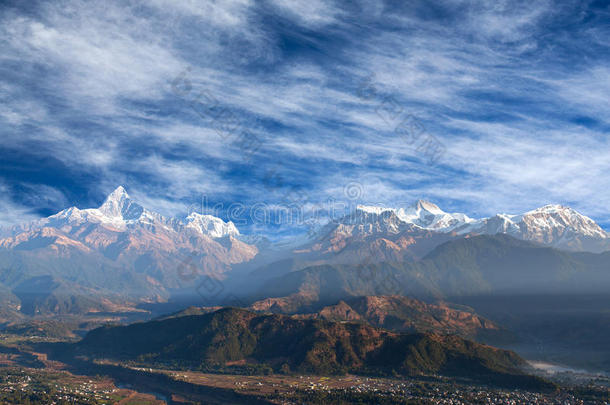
[24, 385]
[449, 394]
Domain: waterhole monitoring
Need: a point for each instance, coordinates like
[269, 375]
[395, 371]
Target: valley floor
[28, 375]
[298, 389]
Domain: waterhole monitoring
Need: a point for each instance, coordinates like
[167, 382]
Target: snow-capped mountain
[553, 225]
[424, 215]
[120, 212]
[210, 225]
[119, 205]
[122, 247]
[380, 234]
[122, 252]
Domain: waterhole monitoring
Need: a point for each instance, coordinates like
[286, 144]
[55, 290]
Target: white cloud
[96, 55]
[11, 212]
[222, 14]
[314, 13]
[110, 66]
[587, 92]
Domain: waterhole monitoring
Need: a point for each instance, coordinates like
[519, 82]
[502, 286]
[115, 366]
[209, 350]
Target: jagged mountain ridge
[371, 234]
[120, 212]
[405, 314]
[121, 248]
[552, 225]
[394, 312]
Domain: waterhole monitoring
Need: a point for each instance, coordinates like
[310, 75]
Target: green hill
[230, 337]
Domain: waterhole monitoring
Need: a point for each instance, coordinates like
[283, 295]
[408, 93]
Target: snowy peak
[421, 214]
[119, 205]
[563, 220]
[425, 207]
[548, 224]
[551, 208]
[365, 220]
[121, 213]
[419, 208]
[139, 250]
[117, 211]
[559, 215]
[369, 209]
[429, 216]
[553, 224]
[118, 194]
[210, 225]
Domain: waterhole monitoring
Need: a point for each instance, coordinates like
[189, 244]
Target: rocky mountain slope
[404, 314]
[476, 265]
[396, 313]
[371, 235]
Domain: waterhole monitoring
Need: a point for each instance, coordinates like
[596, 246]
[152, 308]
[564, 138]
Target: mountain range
[551, 225]
[118, 255]
[477, 265]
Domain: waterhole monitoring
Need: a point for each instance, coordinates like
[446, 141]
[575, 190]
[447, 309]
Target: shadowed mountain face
[568, 329]
[372, 235]
[46, 295]
[477, 265]
[234, 336]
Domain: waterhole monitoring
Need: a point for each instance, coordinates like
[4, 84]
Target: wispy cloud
[14, 212]
[313, 13]
[516, 91]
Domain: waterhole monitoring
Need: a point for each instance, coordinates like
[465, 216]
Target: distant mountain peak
[211, 225]
[552, 224]
[118, 192]
[117, 196]
[550, 208]
[415, 208]
[121, 212]
[422, 214]
[423, 205]
[119, 204]
[160, 253]
[371, 209]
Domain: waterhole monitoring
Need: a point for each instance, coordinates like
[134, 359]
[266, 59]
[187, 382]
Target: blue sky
[100, 94]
